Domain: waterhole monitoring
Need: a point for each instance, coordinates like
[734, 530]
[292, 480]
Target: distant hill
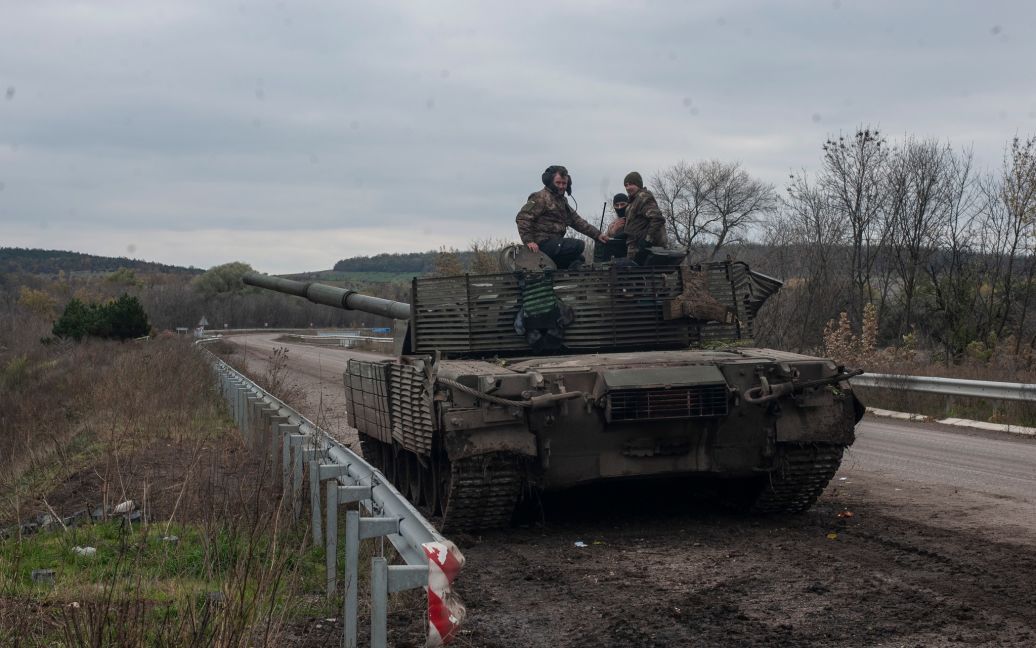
[32, 261]
[408, 263]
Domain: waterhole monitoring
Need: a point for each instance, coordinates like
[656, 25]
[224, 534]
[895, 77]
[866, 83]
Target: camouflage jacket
[645, 224]
[547, 215]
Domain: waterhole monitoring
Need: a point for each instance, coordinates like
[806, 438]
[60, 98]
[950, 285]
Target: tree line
[941, 250]
[37, 261]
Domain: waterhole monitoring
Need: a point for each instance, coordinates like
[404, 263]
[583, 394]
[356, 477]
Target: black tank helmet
[548, 177]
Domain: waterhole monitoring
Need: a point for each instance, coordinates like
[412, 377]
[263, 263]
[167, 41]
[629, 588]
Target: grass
[161, 568]
[91, 425]
[141, 587]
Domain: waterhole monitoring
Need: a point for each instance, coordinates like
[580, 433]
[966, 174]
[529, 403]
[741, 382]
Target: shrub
[126, 318]
[121, 319]
[78, 321]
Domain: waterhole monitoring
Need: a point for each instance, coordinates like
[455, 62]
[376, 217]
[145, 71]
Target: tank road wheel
[481, 492]
[443, 483]
[370, 448]
[400, 475]
[388, 466]
[430, 484]
[800, 476]
[414, 479]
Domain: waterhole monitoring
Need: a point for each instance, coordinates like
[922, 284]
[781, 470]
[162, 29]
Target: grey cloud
[278, 117]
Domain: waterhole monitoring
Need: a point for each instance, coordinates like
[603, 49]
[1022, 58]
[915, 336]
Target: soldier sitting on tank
[645, 224]
[546, 217]
[615, 248]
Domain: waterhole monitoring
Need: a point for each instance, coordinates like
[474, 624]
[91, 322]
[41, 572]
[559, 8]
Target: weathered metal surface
[367, 398]
[410, 400]
[614, 309]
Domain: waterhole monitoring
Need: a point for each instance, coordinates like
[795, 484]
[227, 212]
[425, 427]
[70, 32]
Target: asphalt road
[995, 464]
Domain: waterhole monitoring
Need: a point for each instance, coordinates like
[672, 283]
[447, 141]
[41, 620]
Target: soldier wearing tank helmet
[546, 217]
[645, 224]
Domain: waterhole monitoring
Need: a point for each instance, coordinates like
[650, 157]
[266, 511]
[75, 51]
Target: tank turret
[590, 310]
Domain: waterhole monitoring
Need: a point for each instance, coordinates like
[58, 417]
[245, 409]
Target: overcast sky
[292, 134]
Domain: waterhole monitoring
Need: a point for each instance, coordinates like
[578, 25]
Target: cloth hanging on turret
[542, 317]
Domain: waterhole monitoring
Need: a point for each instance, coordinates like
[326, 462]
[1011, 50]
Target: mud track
[905, 548]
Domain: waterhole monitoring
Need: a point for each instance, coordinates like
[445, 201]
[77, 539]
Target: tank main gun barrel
[330, 295]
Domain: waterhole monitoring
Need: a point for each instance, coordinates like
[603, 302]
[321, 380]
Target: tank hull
[556, 422]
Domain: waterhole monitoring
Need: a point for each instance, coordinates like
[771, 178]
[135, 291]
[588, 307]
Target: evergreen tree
[121, 319]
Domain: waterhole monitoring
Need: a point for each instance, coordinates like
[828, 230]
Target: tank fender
[516, 439]
[833, 422]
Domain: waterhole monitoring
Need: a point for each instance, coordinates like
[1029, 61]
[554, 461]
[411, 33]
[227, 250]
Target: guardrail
[948, 386]
[336, 340]
[304, 451]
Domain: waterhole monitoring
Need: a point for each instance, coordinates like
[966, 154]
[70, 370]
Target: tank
[539, 379]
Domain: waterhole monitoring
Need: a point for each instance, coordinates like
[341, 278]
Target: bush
[126, 319]
[121, 319]
[78, 321]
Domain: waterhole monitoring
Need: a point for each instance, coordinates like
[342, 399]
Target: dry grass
[97, 423]
[66, 406]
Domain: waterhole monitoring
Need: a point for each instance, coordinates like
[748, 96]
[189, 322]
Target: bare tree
[681, 200]
[1012, 212]
[710, 203]
[952, 303]
[918, 204]
[809, 236]
[853, 176]
[734, 199]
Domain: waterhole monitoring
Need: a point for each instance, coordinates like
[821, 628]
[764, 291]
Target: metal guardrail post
[337, 496]
[273, 439]
[352, 563]
[286, 432]
[310, 456]
[373, 527]
[242, 404]
[295, 443]
[253, 406]
[256, 405]
[230, 388]
[379, 603]
[246, 410]
[319, 473]
[262, 441]
[387, 580]
[239, 402]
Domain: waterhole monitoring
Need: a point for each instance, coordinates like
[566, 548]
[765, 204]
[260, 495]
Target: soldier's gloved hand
[533, 246]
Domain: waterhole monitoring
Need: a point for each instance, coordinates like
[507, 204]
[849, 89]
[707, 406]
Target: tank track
[482, 493]
[800, 476]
